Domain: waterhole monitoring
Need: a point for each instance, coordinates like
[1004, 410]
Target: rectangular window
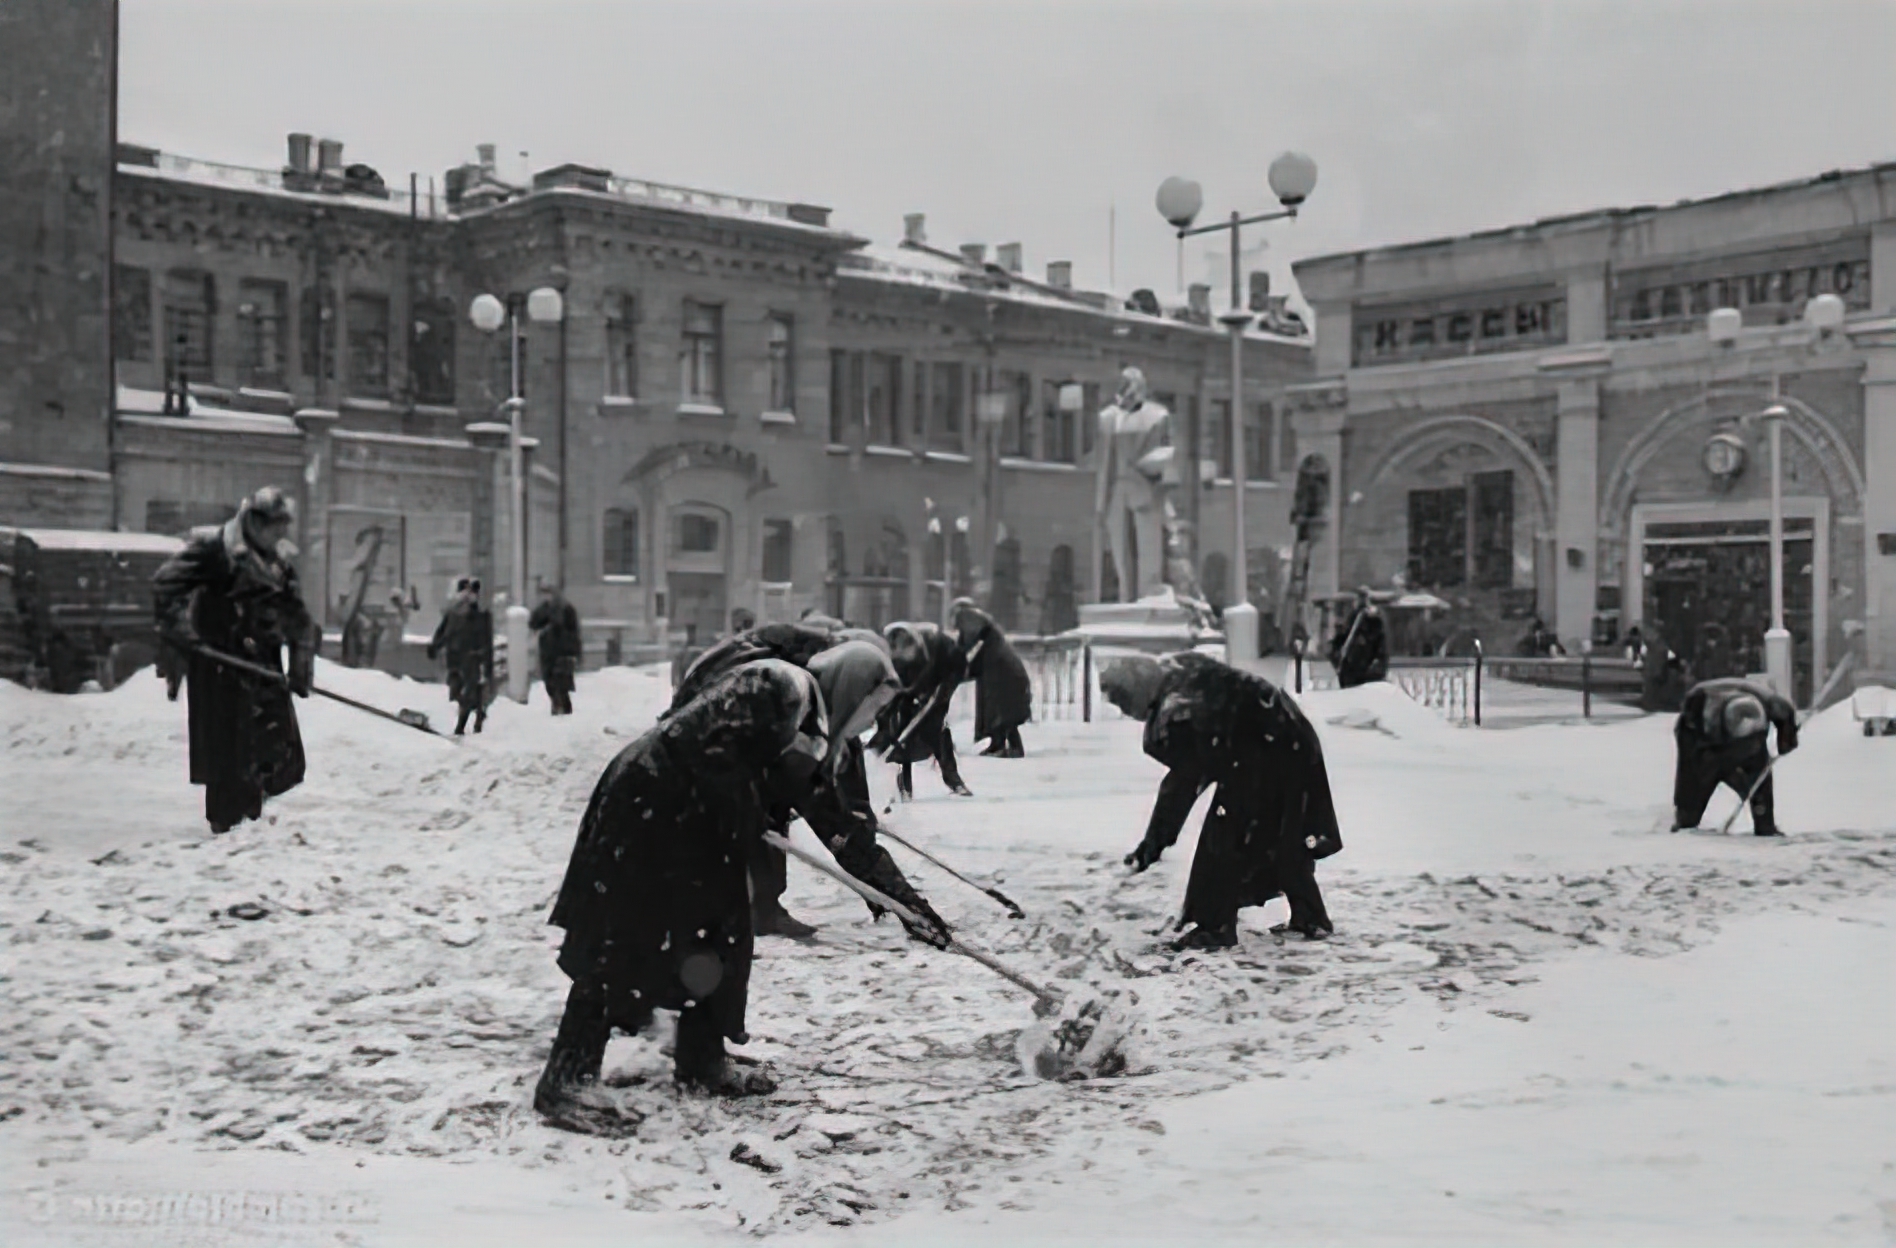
[622, 346]
[777, 565]
[839, 396]
[1218, 436]
[131, 313]
[856, 405]
[703, 356]
[884, 399]
[918, 405]
[947, 397]
[1493, 536]
[619, 543]
[263, 334]
[1438, 537]
[1258, 444]
[366, 318]
[1286, 443]
[1060, 437]
[431, 352]
[501, 379]
[318, 331]
[780, 344]
[1089, 417]
[1021, 400]
[695, 533]
[190, 297]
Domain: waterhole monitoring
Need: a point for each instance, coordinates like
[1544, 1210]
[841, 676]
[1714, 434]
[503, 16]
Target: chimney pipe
[1060, 273]
[329, 156]
[974, 253]
[299, 153]
[1260, 289]
[1007, 255]
[912, 230]
[486, 151]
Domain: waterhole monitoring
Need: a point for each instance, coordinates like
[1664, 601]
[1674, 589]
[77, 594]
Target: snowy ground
[1543, 1019]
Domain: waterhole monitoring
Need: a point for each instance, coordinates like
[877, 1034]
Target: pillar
[1877, 340]
[317, 495]
[1576, 573]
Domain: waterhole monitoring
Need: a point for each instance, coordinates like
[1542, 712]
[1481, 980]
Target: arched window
[1217, 580]
[1059, 611]
[619, 542]
[1007, 583]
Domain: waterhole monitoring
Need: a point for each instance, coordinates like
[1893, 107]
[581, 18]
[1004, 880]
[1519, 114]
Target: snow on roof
[147, 407]
[211, 173]
[89, 539]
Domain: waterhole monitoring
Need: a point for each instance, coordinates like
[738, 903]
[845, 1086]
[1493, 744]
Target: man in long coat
[233, 590]
[1360, 649]
[1272, 817]
[1003, 694]
[557, 624]
[931, 667]
[466, 637]
[655, 902]
[1723, 737]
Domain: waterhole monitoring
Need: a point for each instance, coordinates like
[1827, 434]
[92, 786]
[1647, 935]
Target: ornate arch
[1843, 476]
[1441, 432]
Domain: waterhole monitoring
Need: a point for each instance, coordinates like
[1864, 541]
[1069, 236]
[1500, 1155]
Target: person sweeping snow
[1722, 734]
[655, 903]
[931, 666]
[1003, 693]
[233, 591]
[1272, 817]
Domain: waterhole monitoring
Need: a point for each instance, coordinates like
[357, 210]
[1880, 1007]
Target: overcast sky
[1028, 120]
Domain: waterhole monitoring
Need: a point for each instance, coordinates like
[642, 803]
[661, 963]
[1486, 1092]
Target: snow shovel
[943, 692]
[412, 719]
[1755, 786]
[1007, 902]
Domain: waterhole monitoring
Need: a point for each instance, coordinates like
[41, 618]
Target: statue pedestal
[1157, 624]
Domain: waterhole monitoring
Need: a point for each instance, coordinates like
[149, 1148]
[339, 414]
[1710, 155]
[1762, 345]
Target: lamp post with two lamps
[1822, 314]
[1292, 177]
[488, 313]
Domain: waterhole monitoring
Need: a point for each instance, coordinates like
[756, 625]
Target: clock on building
[1724, 456]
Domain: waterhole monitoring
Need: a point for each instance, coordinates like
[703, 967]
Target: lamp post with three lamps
[1823, 314]
[1292, 177]
[488, 314]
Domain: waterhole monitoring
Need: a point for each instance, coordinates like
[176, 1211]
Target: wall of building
[58, 73]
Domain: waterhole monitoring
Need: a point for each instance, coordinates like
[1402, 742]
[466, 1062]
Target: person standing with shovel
[233, 591]
[1723, 737]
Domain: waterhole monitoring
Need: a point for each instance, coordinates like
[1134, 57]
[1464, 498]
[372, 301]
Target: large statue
[1135, 454]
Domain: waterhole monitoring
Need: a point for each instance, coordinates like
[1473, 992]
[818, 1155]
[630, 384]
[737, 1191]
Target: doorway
[1708, 590]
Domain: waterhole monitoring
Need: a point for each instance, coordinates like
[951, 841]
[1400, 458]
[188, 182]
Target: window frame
[701, 373]
[781, 362]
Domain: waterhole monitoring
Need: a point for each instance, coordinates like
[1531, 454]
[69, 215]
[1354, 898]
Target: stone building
[1536, 420]
[58, 77]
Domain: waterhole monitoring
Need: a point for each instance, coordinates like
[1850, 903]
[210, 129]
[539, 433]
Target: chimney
[1198, 295]
[1260, 289]
[486, 151]
[329, 156]
[974, 253]
[1007, 255]
[299, 153]
[1060, 273]
[912, 231]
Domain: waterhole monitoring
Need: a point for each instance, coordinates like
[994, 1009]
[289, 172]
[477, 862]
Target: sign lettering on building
[1456, 325]
[1770, 288]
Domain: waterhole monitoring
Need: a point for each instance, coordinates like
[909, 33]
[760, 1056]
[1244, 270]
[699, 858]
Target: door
[699, 606]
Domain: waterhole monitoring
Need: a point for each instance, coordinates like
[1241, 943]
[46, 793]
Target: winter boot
[568, 1095]
[1223, 936]
[773, 920]
[699, 1060]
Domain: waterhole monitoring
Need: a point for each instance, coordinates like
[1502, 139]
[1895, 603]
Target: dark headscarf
[857, 681]
[1131, 682]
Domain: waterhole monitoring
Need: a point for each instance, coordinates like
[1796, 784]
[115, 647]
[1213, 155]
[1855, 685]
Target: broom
[1082, 1037]
[1751, 793]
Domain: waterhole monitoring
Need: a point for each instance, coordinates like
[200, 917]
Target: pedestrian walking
[1003, 694]
[1360, 649]
[465, 638]
[557, 625]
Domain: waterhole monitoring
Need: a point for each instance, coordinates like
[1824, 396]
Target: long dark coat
[557, 623]
[929, 663]
[1360, 650]
[1003, 694]
[1709, 755]
[466, 637]
[1272, 815]
[658, 874]
[245, 743]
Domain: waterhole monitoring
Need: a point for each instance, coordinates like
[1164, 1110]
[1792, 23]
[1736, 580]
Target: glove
[433, 653]
[1143, 855]
[934, 929]
[302, 676]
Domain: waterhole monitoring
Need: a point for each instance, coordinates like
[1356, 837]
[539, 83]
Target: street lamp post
[489, 314]
[1823, 314]
[1292, 177]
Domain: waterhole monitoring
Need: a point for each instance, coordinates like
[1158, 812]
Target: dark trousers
[1701, 770]
[769, 870]
[1006, 742]
[1297, 876]
[944, 757]
[579, 1047]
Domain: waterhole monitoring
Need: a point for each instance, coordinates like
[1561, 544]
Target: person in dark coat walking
[557, 624]
[1003, 695]
[233, 590]
[931, 667]
[1723, 737]
[466, 637]
[1360, 650]
[655, 902]
[1272, 817]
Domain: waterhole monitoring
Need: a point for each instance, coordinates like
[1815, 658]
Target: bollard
[1086, 682]
[1586, 686]
[519, 676]
[1298, 651]
[1477, 682]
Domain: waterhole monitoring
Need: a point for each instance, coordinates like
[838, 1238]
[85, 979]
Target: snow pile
[362, 988]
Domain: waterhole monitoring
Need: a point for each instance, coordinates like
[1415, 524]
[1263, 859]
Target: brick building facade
[1535, 420]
